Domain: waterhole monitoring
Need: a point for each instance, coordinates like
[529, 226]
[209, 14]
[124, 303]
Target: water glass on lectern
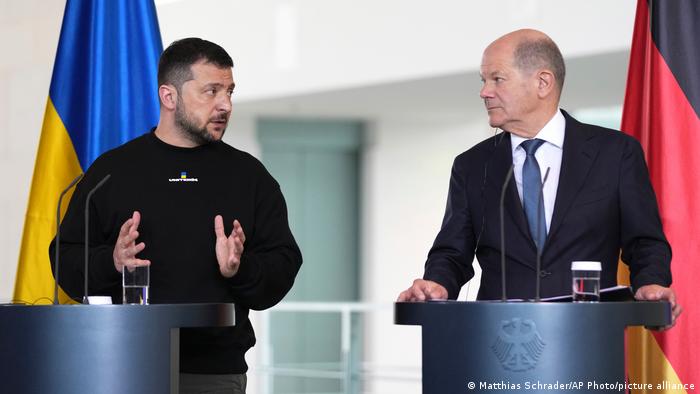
[135, 281]
[586, 281]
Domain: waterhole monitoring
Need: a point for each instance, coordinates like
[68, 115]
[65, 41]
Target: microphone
[87, 222]
[497, 138]
[503, 233]
[540, 203]
[58, 236]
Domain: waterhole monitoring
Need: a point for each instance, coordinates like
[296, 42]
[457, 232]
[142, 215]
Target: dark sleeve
[450, 259]
[103, 277]
[644, 246]
[271, 257]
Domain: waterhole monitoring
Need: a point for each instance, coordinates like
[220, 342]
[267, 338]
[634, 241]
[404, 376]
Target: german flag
[661, 109]
[103, 93]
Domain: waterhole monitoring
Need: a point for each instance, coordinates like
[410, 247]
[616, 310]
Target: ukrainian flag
[103, 93]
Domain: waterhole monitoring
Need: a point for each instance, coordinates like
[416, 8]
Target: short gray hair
[530, 55]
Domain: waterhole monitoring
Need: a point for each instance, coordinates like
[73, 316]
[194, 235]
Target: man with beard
[178, 200]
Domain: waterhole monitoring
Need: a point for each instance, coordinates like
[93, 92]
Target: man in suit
[597, 198]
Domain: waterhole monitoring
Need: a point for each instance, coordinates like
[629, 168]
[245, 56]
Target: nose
[485, 91]
[224, 103]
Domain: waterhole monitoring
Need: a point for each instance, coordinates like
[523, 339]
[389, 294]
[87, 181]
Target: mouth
[489, 104]
[219, 122]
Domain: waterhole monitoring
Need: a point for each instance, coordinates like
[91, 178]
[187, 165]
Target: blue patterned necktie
[532, 183]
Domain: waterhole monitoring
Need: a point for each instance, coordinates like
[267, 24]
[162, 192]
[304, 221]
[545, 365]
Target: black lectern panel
[526, 346]
[98, 348]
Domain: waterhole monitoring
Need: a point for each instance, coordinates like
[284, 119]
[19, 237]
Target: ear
[168, 96]
[546, 83]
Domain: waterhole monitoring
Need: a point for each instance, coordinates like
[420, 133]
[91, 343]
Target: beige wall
[28, 38]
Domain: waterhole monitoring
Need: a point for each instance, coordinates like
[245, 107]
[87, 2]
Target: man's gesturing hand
[228, 249]
[126, 249]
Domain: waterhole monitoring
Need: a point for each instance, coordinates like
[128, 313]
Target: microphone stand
[87, 221]
[540, 203]
[58, 236]
[503, 234]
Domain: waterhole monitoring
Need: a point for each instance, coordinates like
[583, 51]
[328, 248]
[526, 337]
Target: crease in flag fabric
[662, 103]
[103, 93]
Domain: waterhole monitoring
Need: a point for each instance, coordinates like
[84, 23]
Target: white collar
[552, 132]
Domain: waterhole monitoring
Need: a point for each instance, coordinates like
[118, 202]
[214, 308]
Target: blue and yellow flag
[104, 92]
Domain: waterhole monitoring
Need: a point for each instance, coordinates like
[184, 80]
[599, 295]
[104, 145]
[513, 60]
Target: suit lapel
[578, 155]
[502, 161]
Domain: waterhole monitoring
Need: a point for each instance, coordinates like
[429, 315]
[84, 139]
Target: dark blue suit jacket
[604, 203]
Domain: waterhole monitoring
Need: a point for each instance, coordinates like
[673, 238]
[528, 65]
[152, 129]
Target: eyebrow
[219, 85]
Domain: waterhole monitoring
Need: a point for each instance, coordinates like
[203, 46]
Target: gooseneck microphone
[540, 203]
[87, 231]
[56, 265]
[497, 138]
[503, 233]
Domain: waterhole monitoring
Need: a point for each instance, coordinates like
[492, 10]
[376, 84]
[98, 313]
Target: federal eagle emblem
[518, 345]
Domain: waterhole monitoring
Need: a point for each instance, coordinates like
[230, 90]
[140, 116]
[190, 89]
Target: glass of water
[135, 282]
[585, 277]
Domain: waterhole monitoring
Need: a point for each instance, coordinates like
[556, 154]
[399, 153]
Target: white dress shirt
[548, 155]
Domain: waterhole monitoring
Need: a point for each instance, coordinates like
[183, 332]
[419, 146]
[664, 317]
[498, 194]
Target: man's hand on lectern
[126, 248]
[423, 290]
[659, 293]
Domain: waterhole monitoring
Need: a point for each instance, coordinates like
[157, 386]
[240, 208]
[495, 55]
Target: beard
[197, 134]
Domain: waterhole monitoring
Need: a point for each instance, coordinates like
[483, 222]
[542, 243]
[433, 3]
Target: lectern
[98, 348]
[509, 347]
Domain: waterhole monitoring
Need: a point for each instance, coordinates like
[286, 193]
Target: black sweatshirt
[178, 192]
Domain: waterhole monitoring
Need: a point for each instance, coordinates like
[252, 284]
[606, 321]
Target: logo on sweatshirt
[183, 178]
